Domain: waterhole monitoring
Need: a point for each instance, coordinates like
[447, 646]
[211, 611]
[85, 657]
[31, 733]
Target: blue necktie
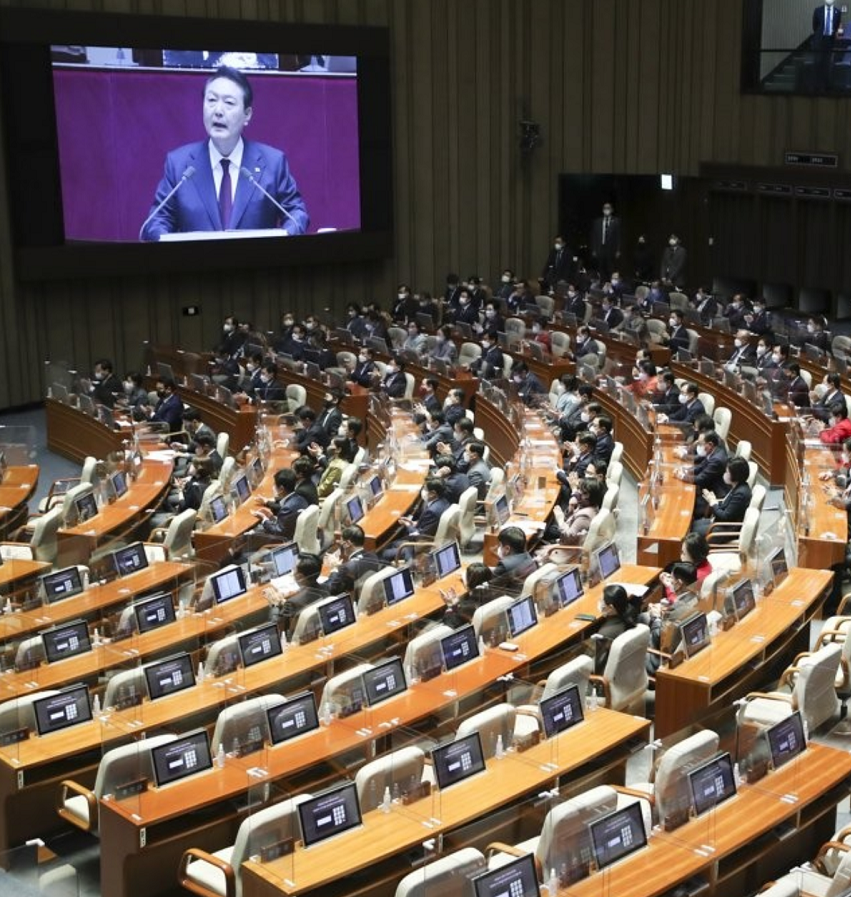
[827, 20]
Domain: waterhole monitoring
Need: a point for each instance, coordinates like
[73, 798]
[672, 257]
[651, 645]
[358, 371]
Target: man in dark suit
[477, 468]
[364, 368]
[330, 417]
[585, 343]
[169, 408]
[196, 173]
[731, 508]
[394, 383]
[832, 393]
[708, 472]
[705, 305]
[606, 241]
[690, 408]
[309, 432]
[489, 363]
[515, 562]
[105, 385]
[530, 390]
[669, 399]
[799, 392]
[269, 389]
[357, 562]
[826, 25]
[758, 320]
[423, 525]
[286, 613]
[678, 338]
[280, 515]
[611, 315]
[601, 427]
[736, 312]
[673, 262]
[558, 264]
[743, 352]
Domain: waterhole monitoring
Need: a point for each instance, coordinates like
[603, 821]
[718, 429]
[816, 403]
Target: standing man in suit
[558, 264]
[826, 26]
[212, 193]
[105, 385]
[606, 241]
[673, 263]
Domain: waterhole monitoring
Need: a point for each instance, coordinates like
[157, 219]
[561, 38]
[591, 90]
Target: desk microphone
[246, 173]
[183, 179]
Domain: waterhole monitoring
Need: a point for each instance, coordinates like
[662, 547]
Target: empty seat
[244, 726]
[492, 724]
[402, 768]
[450, 876]
[344, 690]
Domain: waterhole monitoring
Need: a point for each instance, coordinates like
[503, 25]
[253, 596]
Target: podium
[248, 233]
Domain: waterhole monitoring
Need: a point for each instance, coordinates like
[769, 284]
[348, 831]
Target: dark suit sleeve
[166, 220]
[732, 509]
[284, 189]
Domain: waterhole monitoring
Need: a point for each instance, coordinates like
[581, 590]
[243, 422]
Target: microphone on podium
[183, 179]
[246, 173]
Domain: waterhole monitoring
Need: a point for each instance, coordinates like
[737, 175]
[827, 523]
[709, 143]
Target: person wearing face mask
[355, 321]
[579, 417]
[478, 471]
[585, 344]
[574, 302]
[357, 562]
[729, 509]
[455, 481]
[765, 359]
[415, 341]
[453, 406]
[438, 432]
[838, 427]
[460, 608]
[758, 320]
[668, 399]
[826, 395]
[815, 334]
[278, 517]
[575, 466]
[330, 417]
[703, 302]
[364, 372]
[427, 306]
[404, 307]
[466, 313]
[490, 363]
[269, 389]
[452, 292]
[558, 265]
[646, 382]
[690, 408]
[462, 436]
[663, 616]
[394, 382]
[642, 261]
[708, 472]
[444, 348]
[673, 262]
[135, 393]
[429, 402]
[735, 312]
[506, 284]
[477, 292]
[743, 352]
[287, 321]
[308, 431]
[530, 390]
[601, 427]
[827, 25]
[250, 376]
[799, 392]
[105, 385]
[573, 529]
[678, 337]
[610, 314]
[605, 241]
[232, 339]
[515, 563]
[195, 429]
[423, 525]
[493, 322]
[169, 407]
[332, 462]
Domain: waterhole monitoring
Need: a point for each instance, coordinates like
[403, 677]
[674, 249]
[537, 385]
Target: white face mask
[559, 247]
[760, 350]
[701, 451]
[683, 398]
[776, 357]
[400, 295]
[585, 417]
[811, 328]
[128, 386]
[672, 322]
[490, 313]
[485, 345]
[506, 279]
[737, 343]
[362, 359]
[228, 328]
[672, 242]
[727, 479]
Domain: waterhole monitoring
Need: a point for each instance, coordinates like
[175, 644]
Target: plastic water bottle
[220, 756]
[201, 674]
[481, 646]
[593, 699]
[500, 748]
[325, 716]
[96, 706]
[552, 883]
[385, 803]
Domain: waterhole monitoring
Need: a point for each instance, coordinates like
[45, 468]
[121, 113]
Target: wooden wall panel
[624, 86]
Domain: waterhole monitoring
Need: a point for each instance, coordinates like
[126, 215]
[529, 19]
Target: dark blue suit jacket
[195, 206]
[818, 22]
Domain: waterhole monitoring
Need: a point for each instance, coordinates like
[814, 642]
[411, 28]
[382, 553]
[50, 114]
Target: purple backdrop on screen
[115, 129]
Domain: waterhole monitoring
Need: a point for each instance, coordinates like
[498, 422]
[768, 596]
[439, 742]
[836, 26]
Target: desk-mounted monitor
[175, 760]
[398, 586]
[522, 616]
[617, 835]
[336, 614]
[66, 640]
[515, 879]
[284, 559]
[786, 739]
[446, 559]
[153, 612]
[68, 708]
[166, 677]
[61, 584]
[296, 716]
[257, 645]
[458, 760]
[129, 560]
[694, 633]
[711, 784]
[568, 587]
[329, 814]
[384, 681]
[561, 711]
[459, 647]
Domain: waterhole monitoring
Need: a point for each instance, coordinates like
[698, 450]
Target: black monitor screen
[329, 814]
[712, 783]
[561, 711]
[294, 717]
[384, 681]
[617, 835]
[459, 647]
[447, 559]
[778, 566]
[260, 644]
[228, 584]
[569, 587]
[284, 558]
[501, 510]
[374, 485]
[516, 879]
[742, 598]
[169, 676]
[398, 586]
[177, 759]
[154, 612]
[608, 561]
[218, 509]
[336, 614]
[67, 640]
[521, 616]
[68, 708]
[130, 559]
[119, 484]
[458, 760]
[241, 489]
[62, 584]
[786, 739]
[86, 506]
[354, 508]
[695, 634]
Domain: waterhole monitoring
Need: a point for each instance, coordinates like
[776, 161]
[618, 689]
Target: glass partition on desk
[17, 449]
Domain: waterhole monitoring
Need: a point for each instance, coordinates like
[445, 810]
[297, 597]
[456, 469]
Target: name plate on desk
[281, 848]
[128, 789]
[15, 736]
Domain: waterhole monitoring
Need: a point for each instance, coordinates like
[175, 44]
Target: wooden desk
[747, 848]
[90, 603]
[744, 657]
[14, 574]
[665, 509]
[74, 435]
[17, 488]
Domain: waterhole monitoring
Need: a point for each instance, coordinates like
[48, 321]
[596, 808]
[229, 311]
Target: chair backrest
[693, 341]
[397, 336]
[708, 402]
[515, 327]
[743, 449]
[372, 590]
[560, 343]
[671, 784]
[492, 723]
[89, 470]
[530, 584]
[574, 672]
[297, 395]
[18, 713]
[747, 535]
[123, 687]
[30, 653]
[223, 444]
[178, 537]
[625, 670]
[409, 386]
[785, 887]
[678, 300]
[497, 483]
[610, 499]
[841, 878]
[222, 656]
[709, 595]
[757, 497]
[306, 526]
[617, 454]
[614, 473]
[423, 651]
[44, 544]
[448, 527]
[546, 304]
[565, 840]
[72, 495]
[489, 620]
[507, 366]
[350, 472]
[244, 724]
[327, 510]
[815, 689]
[225, 474]
[403, 768]
[264, 828]
[449, 876]
[600, 530]
[753, 470]
[722, 418]
[469, 353]
[344, 689]
[467, 515]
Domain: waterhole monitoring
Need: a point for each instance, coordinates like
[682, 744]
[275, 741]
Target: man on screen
[201, 170]
[826, 27]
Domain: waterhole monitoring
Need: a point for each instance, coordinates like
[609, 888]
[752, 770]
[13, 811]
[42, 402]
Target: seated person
[816, 334]
[453, 406]
[838, 427]
[250, 377]
[764, 356]
[823, 396]
[743, 352]
[438, 433]
[690, 408]
[580, 416]
[423, 525]
[460, 608]
[703, 302]
[708, 472]
[404, 307]
[467, 312]
[731, 508]
[429, 403]
[695, 551]
[735, 313]
[285, 611]
[585, 344]
[106, 386]
[573, 528]
[799, 392]
[415, 341]
[364, 372]
[530, 390]
[515, 563]
[601, 427]
[610, 314]
[662, 618]
[667, 399]
[444, 348]
[490, 363]
[427, 306]
[758, 319]
[619, 615]
[574, 303]
[678, 337]
[356, 563]
[646, 382]
[494, 322]
[477, 469]
[337, 458]
[278, 516]
[169, 407]
[582, 453]
[455, 481]
[269, 389]
[303, 468]
[309, 431]
[395, 383]
[135, 394]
